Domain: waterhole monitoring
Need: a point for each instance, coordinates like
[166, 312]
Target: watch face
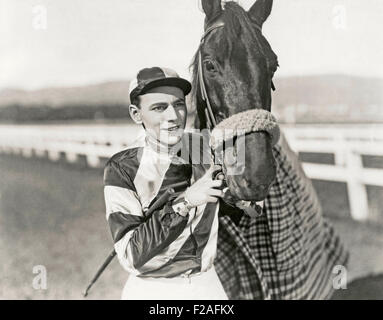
[183, 207]
[178, 207]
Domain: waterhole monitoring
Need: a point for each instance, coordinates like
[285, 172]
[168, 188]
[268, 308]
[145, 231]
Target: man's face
[164, 116]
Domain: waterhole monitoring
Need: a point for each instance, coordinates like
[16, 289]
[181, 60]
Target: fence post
[357, 192]
[340, 152]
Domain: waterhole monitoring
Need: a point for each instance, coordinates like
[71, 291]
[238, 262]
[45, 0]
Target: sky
[46, 43]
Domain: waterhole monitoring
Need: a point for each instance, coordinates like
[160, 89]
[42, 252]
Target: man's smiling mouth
[173, 128]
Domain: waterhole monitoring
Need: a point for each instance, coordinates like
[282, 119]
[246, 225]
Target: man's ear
[135, 113]
[260, 11]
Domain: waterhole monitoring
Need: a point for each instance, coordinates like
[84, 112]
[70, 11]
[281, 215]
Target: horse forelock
[238, 25]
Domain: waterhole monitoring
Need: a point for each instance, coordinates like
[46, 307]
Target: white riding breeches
[203, 286]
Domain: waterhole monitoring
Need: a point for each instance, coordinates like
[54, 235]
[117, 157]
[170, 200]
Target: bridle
[211, 121]
[210, 118]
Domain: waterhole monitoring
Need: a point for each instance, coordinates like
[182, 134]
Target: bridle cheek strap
[210, 118]
[239, 124]
[211, 123]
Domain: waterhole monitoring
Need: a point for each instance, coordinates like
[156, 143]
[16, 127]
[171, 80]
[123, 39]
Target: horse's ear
[211, 8]
[260, 11]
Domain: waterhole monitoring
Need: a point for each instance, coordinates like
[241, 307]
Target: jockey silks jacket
[165, 244]
[289, 252]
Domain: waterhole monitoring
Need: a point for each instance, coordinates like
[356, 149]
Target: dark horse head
[238, 65]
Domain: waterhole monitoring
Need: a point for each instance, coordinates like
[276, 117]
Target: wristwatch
[182, 206]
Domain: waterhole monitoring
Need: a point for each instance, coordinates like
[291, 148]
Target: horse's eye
[209, 66]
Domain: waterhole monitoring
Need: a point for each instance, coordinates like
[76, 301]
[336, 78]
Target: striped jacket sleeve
[136, 239]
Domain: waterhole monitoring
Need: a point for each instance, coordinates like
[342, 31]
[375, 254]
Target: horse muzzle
[246, 158]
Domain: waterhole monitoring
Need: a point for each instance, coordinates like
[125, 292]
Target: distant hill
[115, 92]
[328, 89]
[100, 102]
[329, 98]
[317, 98]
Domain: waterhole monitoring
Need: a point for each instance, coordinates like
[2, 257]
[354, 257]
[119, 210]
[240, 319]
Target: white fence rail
[92, 141]
[347, 143]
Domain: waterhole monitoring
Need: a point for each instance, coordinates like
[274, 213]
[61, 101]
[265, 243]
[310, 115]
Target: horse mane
[236, 22]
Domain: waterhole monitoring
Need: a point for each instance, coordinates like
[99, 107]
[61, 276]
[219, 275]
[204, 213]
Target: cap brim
[183, 84]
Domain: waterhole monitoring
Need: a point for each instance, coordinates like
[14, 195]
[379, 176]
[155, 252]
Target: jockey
[197, 246]
[170, 254]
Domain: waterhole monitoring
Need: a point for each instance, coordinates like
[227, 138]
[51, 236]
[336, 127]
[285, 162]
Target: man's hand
[205, 189]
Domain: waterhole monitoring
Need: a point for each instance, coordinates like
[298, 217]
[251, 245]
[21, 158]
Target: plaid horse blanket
[289, 252]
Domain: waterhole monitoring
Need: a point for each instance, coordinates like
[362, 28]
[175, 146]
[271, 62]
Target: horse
[289, 250]
[236, 64]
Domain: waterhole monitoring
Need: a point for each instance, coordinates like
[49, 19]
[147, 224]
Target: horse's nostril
[263, 188]
[246, 183]
[259, 187]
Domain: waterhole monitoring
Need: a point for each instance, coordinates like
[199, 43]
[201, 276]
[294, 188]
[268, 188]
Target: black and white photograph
[200, 150]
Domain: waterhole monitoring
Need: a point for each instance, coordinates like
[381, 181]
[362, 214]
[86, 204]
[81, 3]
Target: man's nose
[171, 113]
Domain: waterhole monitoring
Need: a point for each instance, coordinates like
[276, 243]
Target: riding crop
[161, 201]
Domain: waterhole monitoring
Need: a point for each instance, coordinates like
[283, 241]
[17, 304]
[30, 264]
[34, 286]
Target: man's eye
[180, 105]
[159, 108]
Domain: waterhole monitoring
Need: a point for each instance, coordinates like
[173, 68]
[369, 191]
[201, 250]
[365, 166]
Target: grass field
[53, 215]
